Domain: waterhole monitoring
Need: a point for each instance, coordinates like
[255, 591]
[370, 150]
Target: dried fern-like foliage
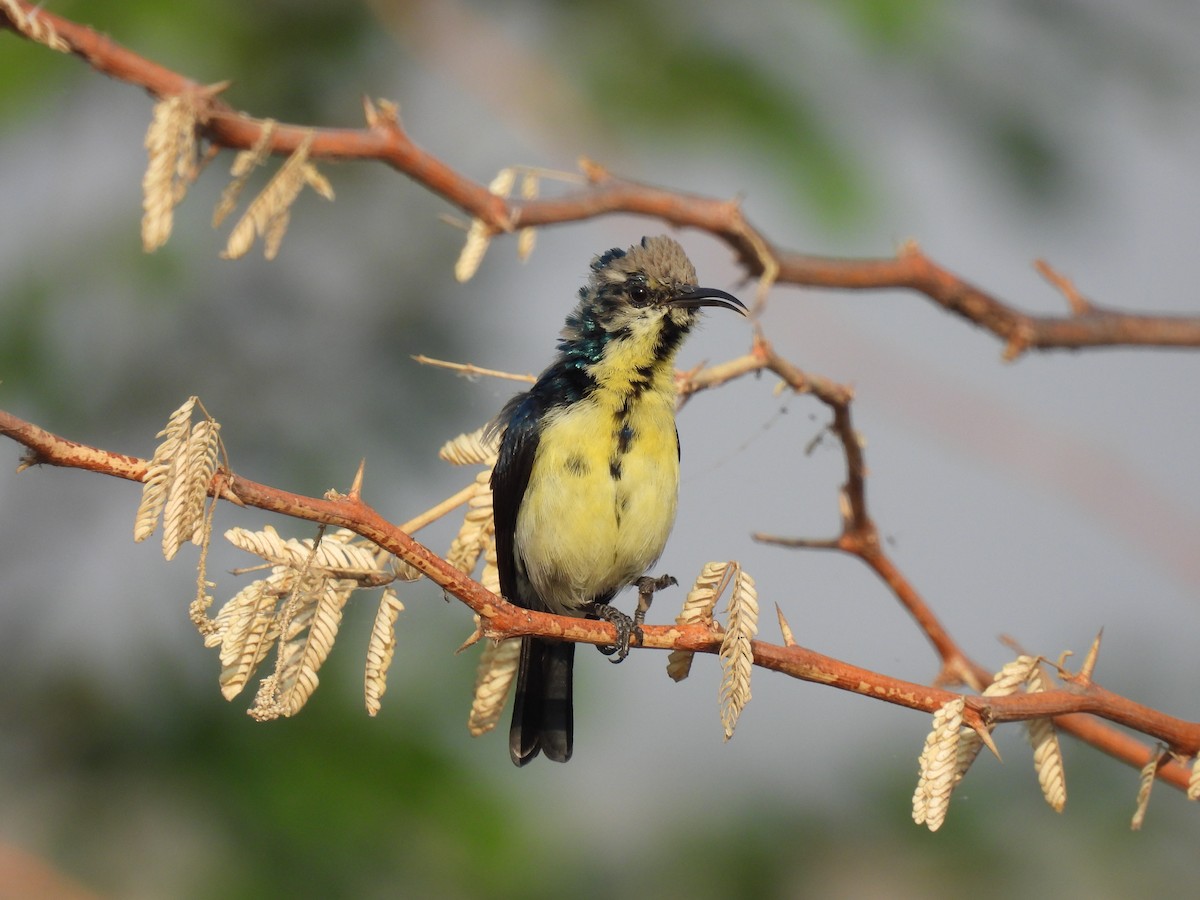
[160, 473]
[380, 649]
[477, 527]
[204, 444]
[247, 627]
[698, 608]
[297, 609]
[334, 555]
[490, 577]
[479, 236]
[1047, 754]
[497, 662]
[174, 163]
[737, 657]
[244, 163]
[527, 237]
[479, 233]
[478, 447]
[493, 680]
[178, 479]
[309, 626]
[269, 213]
[938, 766]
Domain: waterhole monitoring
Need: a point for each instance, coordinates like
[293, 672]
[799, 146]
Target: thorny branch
[1088, 325]
[385, 140]
[502, 619]
[860, 538]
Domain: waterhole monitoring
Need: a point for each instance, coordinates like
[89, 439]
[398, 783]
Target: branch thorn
[1089, 661]
[788, 639]
[356, 485]
[474, 638]
[1079, 304]
[986, 737]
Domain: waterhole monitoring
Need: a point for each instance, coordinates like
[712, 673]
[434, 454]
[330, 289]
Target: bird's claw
[627, 627]
[625, 630]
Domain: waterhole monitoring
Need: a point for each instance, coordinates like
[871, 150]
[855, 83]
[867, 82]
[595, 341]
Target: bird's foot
[624, 625]
[627, 627]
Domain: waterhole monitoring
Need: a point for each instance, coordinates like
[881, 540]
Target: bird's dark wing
[510, 477]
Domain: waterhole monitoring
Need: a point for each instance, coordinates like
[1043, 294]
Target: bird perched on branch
[585, 487]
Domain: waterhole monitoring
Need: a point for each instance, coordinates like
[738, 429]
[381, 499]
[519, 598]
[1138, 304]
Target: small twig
[1078, 303]
[471, 370]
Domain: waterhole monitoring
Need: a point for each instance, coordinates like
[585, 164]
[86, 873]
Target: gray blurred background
[1042, 499]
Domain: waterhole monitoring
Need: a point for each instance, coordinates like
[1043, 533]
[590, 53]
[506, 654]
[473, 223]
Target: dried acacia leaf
[244, 163]
[171, 147]
[478, 447]
[160, 472]
[478, 525]
[737, 657]
[380, 649]
[1047, 753]
[177, 518]
[318, 182]
[308, 636]
[272, 235]
[697, 608]
[332, 556]
[502, 184]
[493, 679]
[248, 628]
[265, 543]
[527, 237]
[204, 445]
[183, 515]
[490, 577]
[938, 766]
[479, 235]
[268, 215]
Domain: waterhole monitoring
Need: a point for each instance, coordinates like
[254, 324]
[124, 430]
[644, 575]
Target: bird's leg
[646, 586]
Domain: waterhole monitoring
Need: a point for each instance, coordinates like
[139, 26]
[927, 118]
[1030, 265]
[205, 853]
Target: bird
[585, 485]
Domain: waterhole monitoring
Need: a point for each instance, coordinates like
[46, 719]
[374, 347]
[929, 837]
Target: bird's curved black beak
[692, 297]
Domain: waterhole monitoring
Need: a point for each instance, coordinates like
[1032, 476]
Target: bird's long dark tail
[542, 716]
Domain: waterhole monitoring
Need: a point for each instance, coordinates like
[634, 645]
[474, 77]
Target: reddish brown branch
[386, 141]
[502, 619]
[860, 538]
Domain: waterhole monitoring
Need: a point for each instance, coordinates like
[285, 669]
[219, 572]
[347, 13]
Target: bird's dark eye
[639, 295]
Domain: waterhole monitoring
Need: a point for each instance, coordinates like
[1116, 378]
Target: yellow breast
[602, 495]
